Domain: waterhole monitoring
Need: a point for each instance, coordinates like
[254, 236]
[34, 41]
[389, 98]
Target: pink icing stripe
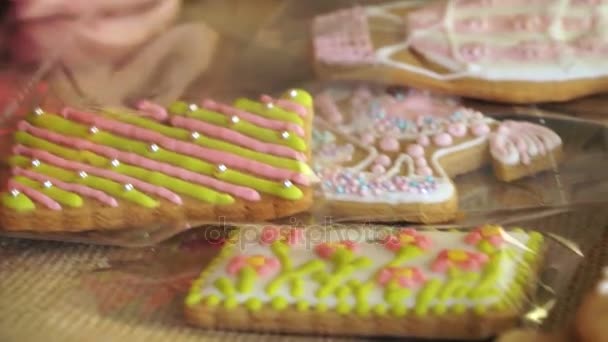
[152, 110]
[134, 159]
[111, 175]
[76, 188]
[35, 195]
[254, 119]
[186, 148]
[235, 137]
[287, 105]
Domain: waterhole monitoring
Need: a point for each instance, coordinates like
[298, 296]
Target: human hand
[86, 31]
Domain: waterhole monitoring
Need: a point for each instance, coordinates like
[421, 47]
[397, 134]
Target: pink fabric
[343, 37]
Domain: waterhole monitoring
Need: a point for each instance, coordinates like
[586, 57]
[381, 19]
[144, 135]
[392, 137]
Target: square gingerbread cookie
[189, 163]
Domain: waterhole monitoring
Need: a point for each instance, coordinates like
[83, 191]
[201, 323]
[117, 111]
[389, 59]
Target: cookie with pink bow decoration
[392, 156]
[517, 51]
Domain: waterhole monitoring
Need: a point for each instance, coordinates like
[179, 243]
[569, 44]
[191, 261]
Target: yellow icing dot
[362, 309]
[193, 298]
[321, 307]
[460, 308]
[343, 292]
[480, 309]
[279, 303]
[302, 305]
[212, 300]
[456, 255]
[380, 309]
[343, 307]
[399, 310]
[253, 304]
[230, 303]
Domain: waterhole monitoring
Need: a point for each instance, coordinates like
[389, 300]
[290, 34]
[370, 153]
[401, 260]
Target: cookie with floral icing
[76, 170]
[392, 156]
[520, 51]
[369, 281]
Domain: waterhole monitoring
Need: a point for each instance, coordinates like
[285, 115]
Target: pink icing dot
[480, 129]
[443, 139]
[421, 162]
[423, 140]
[415, 151]
[378, 169]
[425, 171]
[457, 129]
[383, 160]
[389, 144]
[367, 138]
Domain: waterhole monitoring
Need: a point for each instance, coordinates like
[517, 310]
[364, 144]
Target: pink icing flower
[263, 265]
[464, 260]
[492, 234]
[328, 249]
[407, 237]
[289, 235]
[405, 277]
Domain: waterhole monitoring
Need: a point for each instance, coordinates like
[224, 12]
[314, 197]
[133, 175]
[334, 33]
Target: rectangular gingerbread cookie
[185, 164]
[369, 282]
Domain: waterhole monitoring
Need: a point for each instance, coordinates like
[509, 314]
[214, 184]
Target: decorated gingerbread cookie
[522, 51]
[369, 281]
[77, 170]
[392, 155]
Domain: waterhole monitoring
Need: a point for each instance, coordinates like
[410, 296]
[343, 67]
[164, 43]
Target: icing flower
[490, 233]
[407, 237]
[405, 277]
[464, 260]
[328, 249]
[262, 265]
[289, 236]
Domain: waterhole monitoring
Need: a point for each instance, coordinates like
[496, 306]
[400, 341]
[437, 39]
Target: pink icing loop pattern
[518, 142]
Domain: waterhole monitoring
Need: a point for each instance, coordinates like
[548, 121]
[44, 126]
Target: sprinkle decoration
[345, 182]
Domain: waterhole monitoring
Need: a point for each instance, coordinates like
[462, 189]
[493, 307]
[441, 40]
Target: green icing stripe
[66, 198]
[107, 186]
[243, 126]
[302, 97]
[68, 128]
[246, 280]
[19, 203]
[274, 113]
[175, 184]
[216, 144]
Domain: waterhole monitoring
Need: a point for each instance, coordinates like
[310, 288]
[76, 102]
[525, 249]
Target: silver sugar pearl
[47, 184]
[82, 174]
[235, 119]
[192, 107]
[36, 163]
[285, 135]
[293, 93]
[221, 168]
[38, 111]
[115, 163]
[154, 148]
[287, 183]
[269, 105]
[195, 135]
[129, 187]
[93, 130]
[15, 192]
